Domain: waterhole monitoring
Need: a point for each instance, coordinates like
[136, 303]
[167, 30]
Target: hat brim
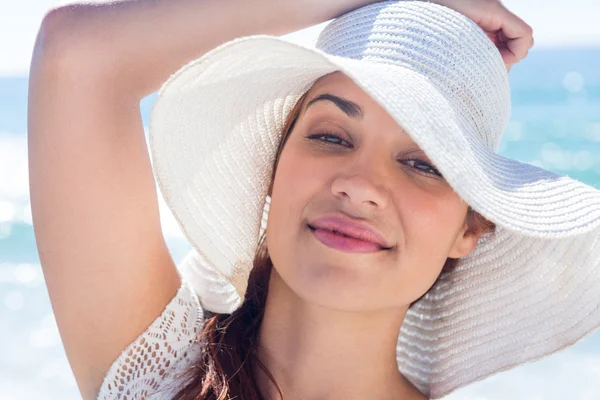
[214, 132]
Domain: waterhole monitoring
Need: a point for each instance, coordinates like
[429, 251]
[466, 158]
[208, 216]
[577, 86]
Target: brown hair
[229, 342]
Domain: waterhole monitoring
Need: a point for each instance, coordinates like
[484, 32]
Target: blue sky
[555, 23]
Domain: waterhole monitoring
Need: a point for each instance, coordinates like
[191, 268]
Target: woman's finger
[510, 34]
[517, 38]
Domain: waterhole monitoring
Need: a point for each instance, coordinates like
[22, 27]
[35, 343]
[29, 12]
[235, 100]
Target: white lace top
[148, 365]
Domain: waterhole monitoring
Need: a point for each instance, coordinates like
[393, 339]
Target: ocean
[555, 124]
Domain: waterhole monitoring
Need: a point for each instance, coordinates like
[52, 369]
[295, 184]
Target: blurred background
[555, 124]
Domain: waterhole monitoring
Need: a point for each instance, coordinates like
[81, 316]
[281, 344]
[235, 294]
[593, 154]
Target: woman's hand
[510, 33]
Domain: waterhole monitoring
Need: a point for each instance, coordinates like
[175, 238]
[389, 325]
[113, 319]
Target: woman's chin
[333, 287]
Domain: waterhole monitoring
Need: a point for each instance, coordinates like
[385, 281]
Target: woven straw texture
[526, 291]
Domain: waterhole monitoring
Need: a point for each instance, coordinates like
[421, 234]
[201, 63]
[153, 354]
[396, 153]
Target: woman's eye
[328, 139]
[423, 166]
[331, 139]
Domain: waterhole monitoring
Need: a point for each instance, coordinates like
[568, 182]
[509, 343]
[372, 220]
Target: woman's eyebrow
[350, 108]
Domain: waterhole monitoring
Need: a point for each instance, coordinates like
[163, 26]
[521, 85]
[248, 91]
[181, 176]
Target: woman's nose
[364, 187]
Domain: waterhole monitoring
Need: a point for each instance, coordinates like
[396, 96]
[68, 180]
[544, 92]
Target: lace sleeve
[167, 346]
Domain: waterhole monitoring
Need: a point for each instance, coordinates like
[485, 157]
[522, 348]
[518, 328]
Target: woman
[91, 67]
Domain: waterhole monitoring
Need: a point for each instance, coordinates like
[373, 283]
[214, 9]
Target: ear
[464, 243]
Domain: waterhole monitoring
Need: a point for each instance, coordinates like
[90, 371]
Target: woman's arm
[144, 41]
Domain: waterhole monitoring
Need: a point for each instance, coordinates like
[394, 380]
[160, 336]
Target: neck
[315, 352]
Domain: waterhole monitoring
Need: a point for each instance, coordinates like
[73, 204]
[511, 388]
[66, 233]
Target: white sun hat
[529, 289]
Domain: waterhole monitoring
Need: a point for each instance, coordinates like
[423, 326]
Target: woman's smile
[345, 243]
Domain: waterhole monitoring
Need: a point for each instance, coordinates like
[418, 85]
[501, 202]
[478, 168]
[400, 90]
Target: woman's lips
[352, 227]
[344, 243]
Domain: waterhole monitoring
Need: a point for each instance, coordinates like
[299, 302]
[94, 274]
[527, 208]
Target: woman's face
[368, 176]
